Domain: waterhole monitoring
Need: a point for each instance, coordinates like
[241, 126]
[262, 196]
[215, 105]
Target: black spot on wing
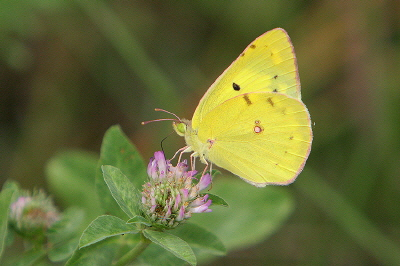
[275, 90]
[236, 87]
[252, 46]
[247, 99]
[276, 76]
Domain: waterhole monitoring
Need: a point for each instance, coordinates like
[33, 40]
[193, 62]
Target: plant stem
[134, 253]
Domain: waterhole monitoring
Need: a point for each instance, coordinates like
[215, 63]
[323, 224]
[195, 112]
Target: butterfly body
[251, 121]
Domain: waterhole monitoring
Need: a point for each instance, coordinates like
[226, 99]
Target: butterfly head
[181, 126]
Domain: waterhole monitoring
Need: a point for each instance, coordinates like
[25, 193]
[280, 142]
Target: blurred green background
[71, 69]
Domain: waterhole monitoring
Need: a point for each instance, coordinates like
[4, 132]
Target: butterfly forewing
[268, 64]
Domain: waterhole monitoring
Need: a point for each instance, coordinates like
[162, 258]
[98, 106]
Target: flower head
[171, 196]
[32, 215]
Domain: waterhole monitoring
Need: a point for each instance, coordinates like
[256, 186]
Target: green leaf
[217, 200]
[121, 189]
[99, 254]
[11, 185]
[139, 219]
[200, 238]
[119, 152]
[6, 197]
[173, 244]
[103, 227]
[156, 255]
[253, 214]
[71, 178]
[64, 234]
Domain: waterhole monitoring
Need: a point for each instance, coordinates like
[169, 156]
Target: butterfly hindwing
[264, 138]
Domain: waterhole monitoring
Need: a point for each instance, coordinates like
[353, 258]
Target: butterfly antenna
[163, 119]
[165, 111]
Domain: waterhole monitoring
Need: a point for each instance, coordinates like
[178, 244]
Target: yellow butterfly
[251, 121]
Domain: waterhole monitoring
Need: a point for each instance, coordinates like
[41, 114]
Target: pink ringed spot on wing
[211, 142]
[257, 128]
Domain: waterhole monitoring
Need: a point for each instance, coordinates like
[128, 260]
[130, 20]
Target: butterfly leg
[193, 160]
[210, 174]
[180, 151]
[203, 160]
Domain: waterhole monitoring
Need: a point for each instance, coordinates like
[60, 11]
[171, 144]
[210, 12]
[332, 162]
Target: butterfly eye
[180, 128]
